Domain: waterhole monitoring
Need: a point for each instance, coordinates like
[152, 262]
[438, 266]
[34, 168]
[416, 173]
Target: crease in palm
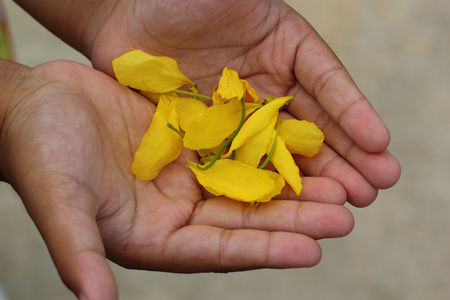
[261, 41]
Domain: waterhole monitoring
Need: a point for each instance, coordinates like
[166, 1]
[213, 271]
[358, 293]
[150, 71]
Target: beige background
[398, 53]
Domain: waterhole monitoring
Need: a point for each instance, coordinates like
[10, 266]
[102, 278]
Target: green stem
[192, 94]
[219, 153]
[272, 149]
[176, 130]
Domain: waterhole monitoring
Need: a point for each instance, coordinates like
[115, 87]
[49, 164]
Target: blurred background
[398, 52]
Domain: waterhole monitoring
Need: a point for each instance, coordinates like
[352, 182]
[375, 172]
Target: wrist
[11, 74]
[12, 77]
[75, 22]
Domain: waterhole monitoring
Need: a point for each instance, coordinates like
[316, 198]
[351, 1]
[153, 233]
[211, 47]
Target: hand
[279, 53]
[68, 138]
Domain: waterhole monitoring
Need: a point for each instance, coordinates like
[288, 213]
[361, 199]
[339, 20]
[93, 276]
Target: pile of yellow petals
[238, 138]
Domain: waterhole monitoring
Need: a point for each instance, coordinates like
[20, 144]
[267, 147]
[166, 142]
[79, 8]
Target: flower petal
[142, 71]
[259, 120]
[238, 181]
[160, 145]
[283, 161]
[250, 95]
[188, 109]
[212, 125]
[279, 184]
[154, 97]
[301, 137]
[230, 88]
[256, 146]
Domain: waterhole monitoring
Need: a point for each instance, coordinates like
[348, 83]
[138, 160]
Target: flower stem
[176, 130]
[272, 149]
[228, 141]
[192, 94]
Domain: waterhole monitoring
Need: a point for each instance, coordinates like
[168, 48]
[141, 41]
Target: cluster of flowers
[245, 150]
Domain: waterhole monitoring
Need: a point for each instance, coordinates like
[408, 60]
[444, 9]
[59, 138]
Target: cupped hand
[68, 140]
[279, 53]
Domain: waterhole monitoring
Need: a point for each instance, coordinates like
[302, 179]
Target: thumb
[66, 219]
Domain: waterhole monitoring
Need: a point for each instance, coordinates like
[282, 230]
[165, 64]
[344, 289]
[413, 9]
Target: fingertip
[345, 222]
[331, 221]
[90, 277]
[385, 170]
[392, 172]
[365, 127]
[382, 170]
[294, 251]
[362, 197]
[316, 256]
[319, 220]
[358, 190]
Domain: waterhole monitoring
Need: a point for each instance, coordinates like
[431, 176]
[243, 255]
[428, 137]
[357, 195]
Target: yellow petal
[286, 166]
[255, 147]
[259, 120]
[230, 88]
[188, 109]
[250, 95]
[142, 71]
[212, 125]
[251, 107]
[160, 145]
[154, 97]
[237, 181]
[301, 137]
[279, 184]
[217, 99]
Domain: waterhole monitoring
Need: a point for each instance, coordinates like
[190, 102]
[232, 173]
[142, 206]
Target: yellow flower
[145, 72]
[283, 161]
[211, 126]
[160, 145]
[301, 137]
[230, 88]
[251, 152]
[259, 120]
[250, 95]
[239, 123]
[238, 181]
[188, 109]
[154, 97]
[261, 144]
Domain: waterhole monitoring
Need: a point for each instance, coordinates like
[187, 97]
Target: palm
[279, 53]
[204, 36]
[74, 139]
[83, 129]
[95, 125]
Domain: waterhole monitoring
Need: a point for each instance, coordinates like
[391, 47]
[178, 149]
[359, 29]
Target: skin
[69, 133]
[270, 45]
[68, 139]
[279, 53]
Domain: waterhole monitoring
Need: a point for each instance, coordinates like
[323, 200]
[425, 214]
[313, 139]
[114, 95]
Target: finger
[317, 189]
[67, 223]
[317, 220]
[198, 248]
[380, 169]
[329, 164]
[323, 76]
